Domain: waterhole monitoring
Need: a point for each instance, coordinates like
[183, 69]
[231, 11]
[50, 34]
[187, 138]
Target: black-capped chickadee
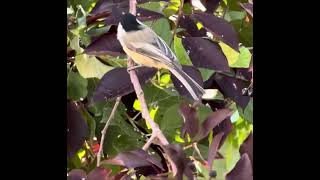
[146, 48]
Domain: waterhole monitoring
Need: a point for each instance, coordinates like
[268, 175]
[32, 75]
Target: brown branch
[156, 132]
[103, 132]
[180, 12]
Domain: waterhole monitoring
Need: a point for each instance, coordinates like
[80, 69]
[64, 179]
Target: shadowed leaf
[219, 27]
[187, 23]
[117, 82]
[77, 174]
[213, 149]
[181, 163]
[225, 127]
[76, 131]
[212, 5]
[99, 174]
[191, 121]
[193, 73]
[247, 147]
[106, 44]
[205, 54]
[134, 159]
[232, 88]
[242, 170]
[212, 121]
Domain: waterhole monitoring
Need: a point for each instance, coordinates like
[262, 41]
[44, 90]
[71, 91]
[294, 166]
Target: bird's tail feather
[194, 89]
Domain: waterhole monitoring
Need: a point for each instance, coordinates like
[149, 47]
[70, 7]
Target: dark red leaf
[187, 23]
[220, 28]
[117, 82]
[194, 73]
[225, 127]
[77, 129]
[183, 165]
[232, 88]
[99, 174]
[242, 170]
[213, 149]
[77, 174]
[205, 54]
[247, 147]
[134, 159]
[248, 7]
[212, 5]
[212, 121]
[244, 72]
[191, 120]
[107, 44]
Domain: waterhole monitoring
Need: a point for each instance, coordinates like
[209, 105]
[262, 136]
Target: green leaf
[231, 54]
[172, 8]
[235, 15]
[136, 105]
[248, 112]
[203, 112]
[162, 28]
[230, 152]
[243, 60]
[152, 6]
[206, 73]
[76, 86]
[74, 44]
[171, 121]
[89, 66]
[180, 52]
[165, 79]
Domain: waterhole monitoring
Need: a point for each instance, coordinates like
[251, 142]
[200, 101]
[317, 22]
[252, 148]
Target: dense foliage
[213, 42]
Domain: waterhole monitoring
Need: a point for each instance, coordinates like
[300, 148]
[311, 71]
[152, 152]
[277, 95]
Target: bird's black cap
[129, 23]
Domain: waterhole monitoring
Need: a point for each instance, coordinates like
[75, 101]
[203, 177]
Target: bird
[146, 48]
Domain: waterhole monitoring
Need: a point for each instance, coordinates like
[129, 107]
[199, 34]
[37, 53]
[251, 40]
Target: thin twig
[195, 147]
[177, 22]
[103, 132]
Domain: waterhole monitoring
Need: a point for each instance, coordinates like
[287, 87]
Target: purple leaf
[212, 5]
[205, 54]
[117, 82]
[212, 121]
[244, 72]
[142, 15]
[107, 5]
[225, 127]
[219, 27]
[248, 7]
[182, 164]
[106, 44]
[213, 149]
[77, 129]
[193, 73]
[242, 170]
[134, 159]
[232, 88]
[77, 174]
[247, 147]
[187, 23]
[191, 120]
[99, 174]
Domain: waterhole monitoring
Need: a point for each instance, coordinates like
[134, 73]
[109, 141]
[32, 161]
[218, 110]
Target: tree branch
[103, 132]
[156, 132]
